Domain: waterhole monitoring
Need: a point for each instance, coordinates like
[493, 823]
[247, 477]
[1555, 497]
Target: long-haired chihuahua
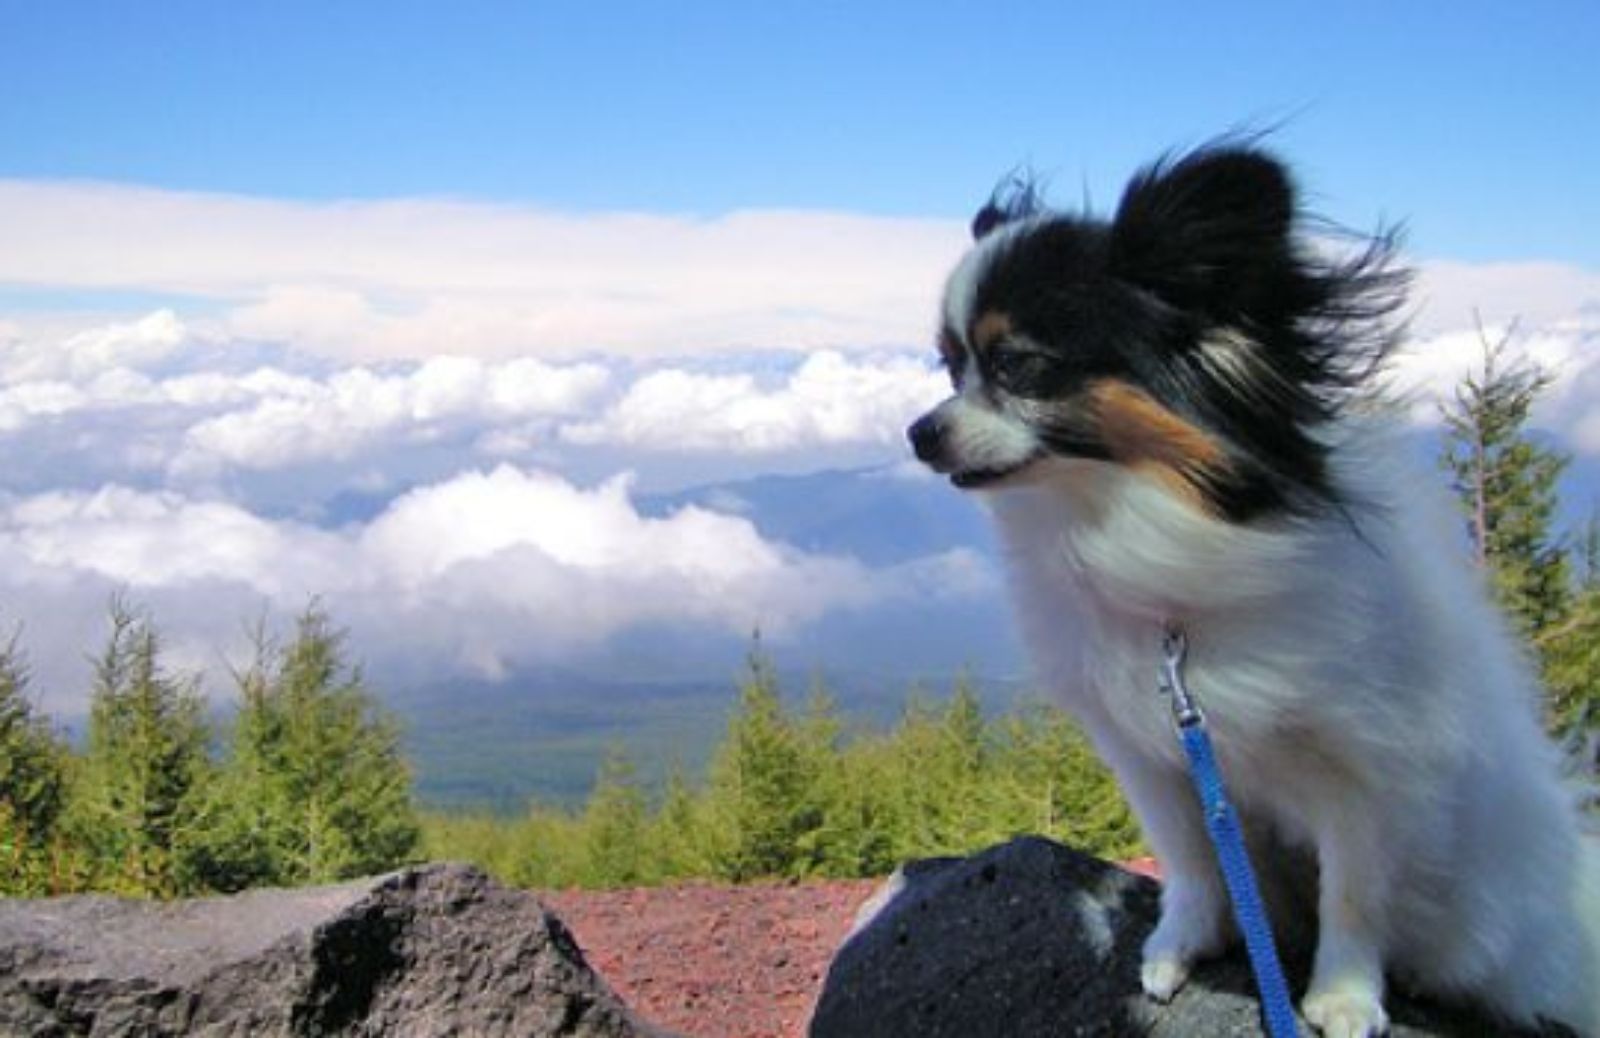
[1173, 419]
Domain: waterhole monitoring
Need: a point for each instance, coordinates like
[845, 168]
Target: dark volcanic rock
[1033, 940]
[435, 950]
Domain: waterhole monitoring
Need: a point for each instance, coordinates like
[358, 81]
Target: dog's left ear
[986, 220]
[1200, 232]
[1015, 198]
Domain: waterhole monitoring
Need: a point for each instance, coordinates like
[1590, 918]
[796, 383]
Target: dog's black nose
[927, 437]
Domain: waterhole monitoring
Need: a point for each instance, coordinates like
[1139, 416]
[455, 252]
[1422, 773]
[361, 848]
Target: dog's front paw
[1162, 977]
[1191, 928]
[1346, 1013]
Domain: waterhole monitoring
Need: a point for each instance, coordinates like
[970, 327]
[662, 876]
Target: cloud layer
[365, 281]
[1427, 371]
[829, 399]
[153, 402]
[486, 571]
[133, 447]
[414, 279]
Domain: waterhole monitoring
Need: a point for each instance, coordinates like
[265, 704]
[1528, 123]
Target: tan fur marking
[990, 328]
[1145, 436]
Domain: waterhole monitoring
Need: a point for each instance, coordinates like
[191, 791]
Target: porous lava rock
[428, 951]
[1031, 939]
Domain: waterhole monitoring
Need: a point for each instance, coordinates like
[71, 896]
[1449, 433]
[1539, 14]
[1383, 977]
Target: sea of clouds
[142, 458]
[439, 417]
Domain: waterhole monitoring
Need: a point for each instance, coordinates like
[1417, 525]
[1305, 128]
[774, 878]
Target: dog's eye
[1018, 370]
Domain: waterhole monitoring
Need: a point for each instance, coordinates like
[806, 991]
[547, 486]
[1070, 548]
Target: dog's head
[1192, 337]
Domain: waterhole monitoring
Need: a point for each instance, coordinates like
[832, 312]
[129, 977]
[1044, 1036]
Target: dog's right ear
[1199, 230]
[1014, 198]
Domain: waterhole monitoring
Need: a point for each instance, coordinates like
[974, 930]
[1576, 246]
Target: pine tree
[134, 804]
[315, 788]
[32, 781]
[764, 797]
[963, 760]
[31, 757]
[864, 808]
[794, 797]
[614, 821]
[964, 728]
[936, 762]
[1049, 781]
[677, 831]
[1506, 483]
[1570, 651]
[548, 850]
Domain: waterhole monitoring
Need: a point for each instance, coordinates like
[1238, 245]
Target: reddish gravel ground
[715, 961]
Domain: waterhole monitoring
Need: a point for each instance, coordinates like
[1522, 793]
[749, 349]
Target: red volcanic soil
[712, 961]
[715, 961]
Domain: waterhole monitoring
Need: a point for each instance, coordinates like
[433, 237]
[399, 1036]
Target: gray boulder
[435, 950]
[1031, 939]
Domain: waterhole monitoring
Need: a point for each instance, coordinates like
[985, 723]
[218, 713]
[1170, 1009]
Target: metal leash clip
[1174, 649]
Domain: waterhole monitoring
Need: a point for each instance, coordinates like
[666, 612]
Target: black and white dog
[1169, 414]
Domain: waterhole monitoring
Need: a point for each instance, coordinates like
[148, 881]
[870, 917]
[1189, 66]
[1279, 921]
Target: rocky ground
[1005, 943]
[715, 961]
[711, 961]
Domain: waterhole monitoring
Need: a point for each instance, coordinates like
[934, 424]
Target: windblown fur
[1169, 413]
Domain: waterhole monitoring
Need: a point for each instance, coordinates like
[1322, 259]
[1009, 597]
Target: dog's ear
[1014, 198]
[986, 220]
[1206, 232]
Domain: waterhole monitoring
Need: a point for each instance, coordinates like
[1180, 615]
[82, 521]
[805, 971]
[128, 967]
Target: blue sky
[1471, 121]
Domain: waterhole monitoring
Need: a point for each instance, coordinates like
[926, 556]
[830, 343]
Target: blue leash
[1228, 838]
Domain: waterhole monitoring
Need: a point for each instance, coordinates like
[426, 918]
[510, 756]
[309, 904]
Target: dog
[1175, 417]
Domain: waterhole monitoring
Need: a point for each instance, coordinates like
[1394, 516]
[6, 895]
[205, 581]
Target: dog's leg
[1346, 995]
[1194, 902]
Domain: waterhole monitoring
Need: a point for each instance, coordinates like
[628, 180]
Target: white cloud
[23, 404]
[1427, 369]
[1447, 294]
[828, 399]
[93, 350]
[158, 540]
[487, 569]
[299, 420]
[410, 278]
[195, 410]
[200, 415]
